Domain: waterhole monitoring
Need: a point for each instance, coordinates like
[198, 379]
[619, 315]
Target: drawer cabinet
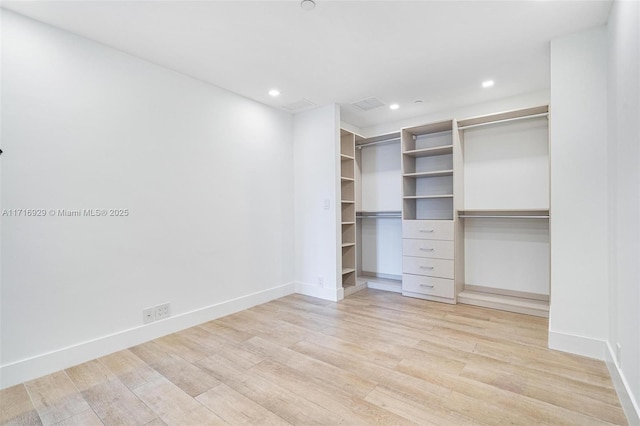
[428, 229]
[428, 248]
[427, 266]
[429, 286]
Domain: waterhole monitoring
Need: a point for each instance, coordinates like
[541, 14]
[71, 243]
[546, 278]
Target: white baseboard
[333, 294]
[630, 404]
[384, 286]
[579, 345]
[41, 365]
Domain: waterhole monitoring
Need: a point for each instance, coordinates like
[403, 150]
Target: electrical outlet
[148, 315]
[162, 311]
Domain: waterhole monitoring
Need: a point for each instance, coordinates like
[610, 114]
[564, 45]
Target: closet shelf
[348, 223]
[505, 214]
[344, 157]
[429, 174]
[347, 179]
[347, 270]
[348, 245]
[420, 197]
[347, 201]
[428, 152]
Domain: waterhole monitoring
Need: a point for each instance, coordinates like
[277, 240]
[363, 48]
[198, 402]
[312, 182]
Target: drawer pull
[427, 286]
[426, 267]
[426, 230]
[425, 249]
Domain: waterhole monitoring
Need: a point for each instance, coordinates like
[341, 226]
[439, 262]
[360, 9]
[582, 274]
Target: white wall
[518, 150]
[316, 139]
[578, 318]
[206, 175]
[624, 212]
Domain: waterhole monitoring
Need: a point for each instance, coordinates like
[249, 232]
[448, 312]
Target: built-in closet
[504, 214]
[378, 212]
[455, 211]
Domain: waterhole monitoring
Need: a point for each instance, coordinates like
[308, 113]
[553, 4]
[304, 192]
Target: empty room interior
[320, 212]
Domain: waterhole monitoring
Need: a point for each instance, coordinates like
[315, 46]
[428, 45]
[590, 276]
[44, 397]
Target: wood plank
[290, 406]
[421, 412]
[175, 407]
[235, 408]
[86, 418]
[564, 369]
[567, 395]
[183, 374]
[314, 369]
[129, 369]
[89, 374]
[109, 398]
[114, 403]
[492, 404]
[55, 398]
[372, 372]
[352, 409]
[224, 334]
[355, 348]
[16, 407]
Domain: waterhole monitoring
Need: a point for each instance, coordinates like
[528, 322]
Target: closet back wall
[206, 176]
[381, 244]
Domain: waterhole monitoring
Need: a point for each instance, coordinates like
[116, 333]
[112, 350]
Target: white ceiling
[343, 51]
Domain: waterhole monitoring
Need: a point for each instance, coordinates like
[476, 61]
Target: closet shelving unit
[532, 218]
[427, 172]
[429, 179]
[347, 242]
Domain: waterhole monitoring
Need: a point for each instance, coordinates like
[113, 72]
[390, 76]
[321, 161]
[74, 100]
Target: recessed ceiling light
[487, 83]
[394, 106]
[308, 4]
[274, 92]
[419, 101]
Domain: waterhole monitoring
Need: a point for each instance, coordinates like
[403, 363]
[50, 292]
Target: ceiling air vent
[299, 105]
[368, 104]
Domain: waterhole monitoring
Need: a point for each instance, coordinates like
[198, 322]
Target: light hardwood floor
[374, 358]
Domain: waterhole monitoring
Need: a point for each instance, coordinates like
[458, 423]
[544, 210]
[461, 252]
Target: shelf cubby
[349, 233]
[428, 208]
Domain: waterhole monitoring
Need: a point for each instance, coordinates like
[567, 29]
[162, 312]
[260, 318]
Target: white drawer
[428, 248]
[426, 266]
[428, 229]
[428, 285]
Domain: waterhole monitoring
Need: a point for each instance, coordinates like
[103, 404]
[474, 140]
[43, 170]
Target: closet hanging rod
[378, 215]
[486, 216]
[378, 142]
[524, 117]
